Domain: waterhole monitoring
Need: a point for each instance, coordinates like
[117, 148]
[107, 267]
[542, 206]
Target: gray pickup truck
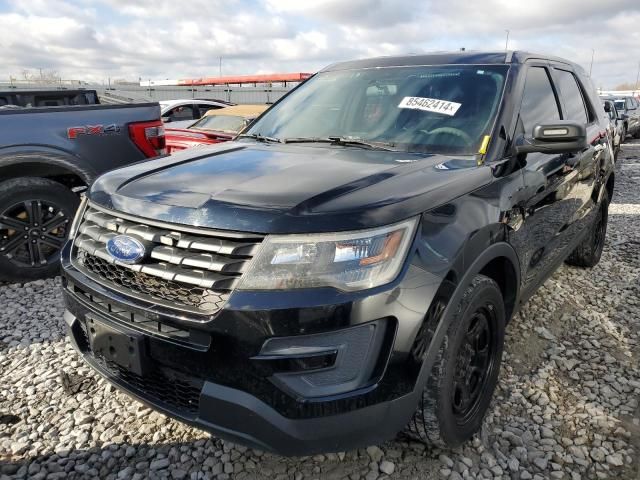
[48, 156]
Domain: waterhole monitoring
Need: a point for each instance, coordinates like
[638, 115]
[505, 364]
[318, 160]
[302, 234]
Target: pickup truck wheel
[588, 252]
[35, 215]
[464, 376]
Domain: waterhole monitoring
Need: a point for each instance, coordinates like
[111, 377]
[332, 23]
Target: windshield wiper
[260, 138]
[346, 141]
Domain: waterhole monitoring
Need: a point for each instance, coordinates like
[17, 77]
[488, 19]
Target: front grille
[162, 385]
[199, 298]
[183, 270]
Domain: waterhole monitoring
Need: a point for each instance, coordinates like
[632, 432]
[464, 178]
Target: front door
[546, 200]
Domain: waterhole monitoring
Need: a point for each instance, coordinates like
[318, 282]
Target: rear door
[585, 165]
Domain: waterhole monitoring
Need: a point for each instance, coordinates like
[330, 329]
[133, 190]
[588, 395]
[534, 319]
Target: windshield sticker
[430, 105]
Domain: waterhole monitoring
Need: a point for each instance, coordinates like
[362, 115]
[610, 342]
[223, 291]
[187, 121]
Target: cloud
[96, 39]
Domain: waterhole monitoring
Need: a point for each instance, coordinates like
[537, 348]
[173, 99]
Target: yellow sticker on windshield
[484, 145]
[430, 105]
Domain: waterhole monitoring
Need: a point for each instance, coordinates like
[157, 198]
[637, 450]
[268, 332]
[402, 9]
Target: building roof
[246, 79]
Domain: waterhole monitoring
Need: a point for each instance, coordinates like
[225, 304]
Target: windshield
[445, 109]
[619, 104]
[220, 123]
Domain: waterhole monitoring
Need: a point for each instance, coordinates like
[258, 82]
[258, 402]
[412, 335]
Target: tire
[443, 417]
[587, 254]
[42, 211]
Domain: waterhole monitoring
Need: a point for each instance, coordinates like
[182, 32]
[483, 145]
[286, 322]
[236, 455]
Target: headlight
[347, 261]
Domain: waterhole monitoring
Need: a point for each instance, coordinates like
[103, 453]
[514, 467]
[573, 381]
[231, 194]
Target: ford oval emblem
[126, 249]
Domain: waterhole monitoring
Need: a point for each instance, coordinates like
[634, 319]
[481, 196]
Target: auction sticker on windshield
[430, 105]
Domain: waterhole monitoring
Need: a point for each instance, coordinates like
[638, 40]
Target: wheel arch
[58, 165]
[499, 262]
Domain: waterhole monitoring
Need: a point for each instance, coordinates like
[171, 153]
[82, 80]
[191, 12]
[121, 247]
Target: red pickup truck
[215, 126]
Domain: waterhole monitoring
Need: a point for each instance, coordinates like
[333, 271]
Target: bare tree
[43, 76]
[625, 86]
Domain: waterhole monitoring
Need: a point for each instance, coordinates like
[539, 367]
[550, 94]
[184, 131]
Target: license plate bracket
[124, 347]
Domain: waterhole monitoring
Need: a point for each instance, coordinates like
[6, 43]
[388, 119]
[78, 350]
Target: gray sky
[159, 39]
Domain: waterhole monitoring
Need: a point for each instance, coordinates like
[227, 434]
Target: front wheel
[35, 215]
[465, 374]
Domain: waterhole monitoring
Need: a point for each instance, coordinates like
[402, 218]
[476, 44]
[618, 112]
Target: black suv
[345, 269]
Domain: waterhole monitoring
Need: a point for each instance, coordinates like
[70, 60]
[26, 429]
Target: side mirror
[623, 116]
[166, 119]
[607, 107]
[563, 136]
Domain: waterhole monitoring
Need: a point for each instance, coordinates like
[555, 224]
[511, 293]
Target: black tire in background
[35, 216]
[587, 254]
[464, 376]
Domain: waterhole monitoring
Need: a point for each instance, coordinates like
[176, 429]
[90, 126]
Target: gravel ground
[566, 406]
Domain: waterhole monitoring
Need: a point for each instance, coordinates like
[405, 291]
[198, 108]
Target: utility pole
[593, 52]
[220, 70]
[506, 44]
[637, 76]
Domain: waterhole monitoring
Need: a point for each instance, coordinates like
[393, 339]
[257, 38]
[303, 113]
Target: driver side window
[182, 112]
[539, 103]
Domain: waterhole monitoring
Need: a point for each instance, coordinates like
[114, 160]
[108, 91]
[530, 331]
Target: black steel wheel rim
[475, 362]
[32, 232]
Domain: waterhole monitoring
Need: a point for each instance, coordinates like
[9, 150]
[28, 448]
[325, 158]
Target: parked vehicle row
[216, 126]
[292, 289]
[628, 110]
[47, 156]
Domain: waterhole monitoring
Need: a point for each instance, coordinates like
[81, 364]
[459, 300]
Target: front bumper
[242, 418]
[238, 401]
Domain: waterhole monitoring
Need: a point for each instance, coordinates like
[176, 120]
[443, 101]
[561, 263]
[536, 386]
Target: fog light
[326, 363]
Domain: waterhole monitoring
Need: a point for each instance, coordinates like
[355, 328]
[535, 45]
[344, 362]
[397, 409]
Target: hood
[276, 188]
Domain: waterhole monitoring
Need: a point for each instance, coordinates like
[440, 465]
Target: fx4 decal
[74, 132]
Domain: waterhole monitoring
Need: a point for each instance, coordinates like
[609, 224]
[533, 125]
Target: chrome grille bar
[212, 263]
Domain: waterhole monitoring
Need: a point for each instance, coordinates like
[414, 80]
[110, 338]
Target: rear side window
[573, 102]
[539, 103]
